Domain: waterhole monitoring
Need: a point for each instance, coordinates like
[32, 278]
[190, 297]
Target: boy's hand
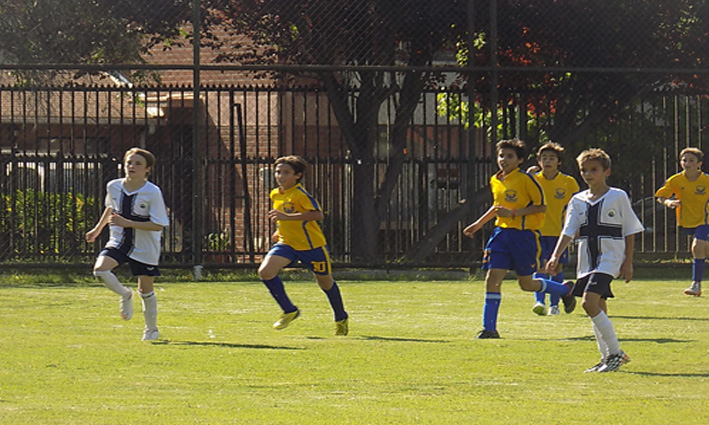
[551, 265]
[626, 271]
[533, 169]
[503, 211]
[672, 203]
[470, 230]
[276, 215]
[118, 220]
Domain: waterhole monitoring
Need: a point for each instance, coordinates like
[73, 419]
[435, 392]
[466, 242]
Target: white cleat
[151, 335]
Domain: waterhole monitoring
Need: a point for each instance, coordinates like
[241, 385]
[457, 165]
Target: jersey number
[319, 266]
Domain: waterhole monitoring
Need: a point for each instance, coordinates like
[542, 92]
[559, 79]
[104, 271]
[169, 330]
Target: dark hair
[694, 151]
[297, 163]
[553, 147]
[518, 145]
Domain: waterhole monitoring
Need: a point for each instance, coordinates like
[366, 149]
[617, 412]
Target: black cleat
[569, 299]
[485, 334]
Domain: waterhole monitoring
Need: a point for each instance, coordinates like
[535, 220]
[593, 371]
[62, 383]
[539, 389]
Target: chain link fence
[395, 104]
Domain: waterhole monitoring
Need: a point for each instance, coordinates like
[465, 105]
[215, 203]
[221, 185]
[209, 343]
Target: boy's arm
[478, 224]
[92, 234]
[532, 209]
[312, 215]
[119, 220]
[626, 269]
[669, 202]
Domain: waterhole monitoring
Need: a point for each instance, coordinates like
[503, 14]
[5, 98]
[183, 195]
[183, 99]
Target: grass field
[67, 358]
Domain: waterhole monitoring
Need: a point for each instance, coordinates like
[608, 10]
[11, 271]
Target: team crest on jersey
[700, 190]
[289, 207]
[511, 195]
[142, 206]
[611, 213]
[559, 193]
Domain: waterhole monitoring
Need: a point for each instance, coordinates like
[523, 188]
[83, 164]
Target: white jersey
[601, 227]
[145, 204]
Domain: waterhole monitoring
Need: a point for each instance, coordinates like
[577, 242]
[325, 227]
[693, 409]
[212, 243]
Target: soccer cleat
[554, 310]
[569, 300]
[151, 334]
[285, 320]
[485, 334]
[342, 327]
[595, 367]
[127, 306]
[539, 309]
[614, 362]
[694, 290]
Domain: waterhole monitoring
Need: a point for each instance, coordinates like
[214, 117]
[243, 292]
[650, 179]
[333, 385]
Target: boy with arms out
[558, 189]
[687, 192]
[606, 226]
[299, 238]
[136, 214]
[518, 206]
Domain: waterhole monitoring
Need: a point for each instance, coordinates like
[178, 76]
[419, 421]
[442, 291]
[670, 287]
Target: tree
[85, 32]
[360, 32]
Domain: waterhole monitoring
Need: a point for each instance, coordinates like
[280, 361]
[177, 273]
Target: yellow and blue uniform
[300, 240]
[557, 194]
[514, 244]
[693, 211]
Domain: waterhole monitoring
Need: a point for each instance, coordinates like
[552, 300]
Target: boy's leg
[699, 252]
[150, 307]
[563, 290]
[330, 288]
[103, 269]
[491, 308]
[268, 272]
[540, 297]
[554, 298]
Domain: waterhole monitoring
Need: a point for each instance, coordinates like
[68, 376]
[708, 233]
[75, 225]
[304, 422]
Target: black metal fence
[395, 104]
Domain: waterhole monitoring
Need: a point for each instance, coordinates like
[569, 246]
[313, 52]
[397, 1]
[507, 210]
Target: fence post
[197, 156]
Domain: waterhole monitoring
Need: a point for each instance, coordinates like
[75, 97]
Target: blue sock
[553, 298]
[540, 296]
[335, 298]
[275, 286]
[698, 269]
[490, 310]
[554, 288]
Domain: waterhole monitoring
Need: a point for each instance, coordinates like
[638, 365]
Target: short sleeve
[631, 222]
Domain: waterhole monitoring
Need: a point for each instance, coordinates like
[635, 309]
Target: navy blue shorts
[598, 283]
[548, 244]
[513, 249]
[699, 232]
[317, 260]
[136, 267]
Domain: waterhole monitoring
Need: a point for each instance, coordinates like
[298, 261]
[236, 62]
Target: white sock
[602, 346]
[150, 310]
[111, 282]
[605, 329]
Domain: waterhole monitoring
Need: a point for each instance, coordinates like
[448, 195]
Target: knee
[265, 274]
[101, 273]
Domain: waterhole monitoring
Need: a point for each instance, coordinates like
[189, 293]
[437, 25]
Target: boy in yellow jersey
[558, 189]
[688, 193]
[299, 239]
[518, 207]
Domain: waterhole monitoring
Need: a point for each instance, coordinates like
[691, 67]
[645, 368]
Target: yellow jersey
[693, 196]
[517, 190]
[298, 234]
[557, 193]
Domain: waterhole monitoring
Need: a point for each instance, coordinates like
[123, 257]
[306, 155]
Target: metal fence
[395, 105]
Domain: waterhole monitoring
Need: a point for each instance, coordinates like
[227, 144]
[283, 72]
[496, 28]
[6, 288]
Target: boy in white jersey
[687, 192]
[136, 214]
[605, 224]
[558, 189]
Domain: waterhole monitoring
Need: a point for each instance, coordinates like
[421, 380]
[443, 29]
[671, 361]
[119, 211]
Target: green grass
[67, 358]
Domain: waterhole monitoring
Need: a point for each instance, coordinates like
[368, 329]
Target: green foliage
[41, 223]
[68, 358]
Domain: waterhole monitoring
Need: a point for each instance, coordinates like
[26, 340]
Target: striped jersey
[517, 190]
[298, 234]
[693, 196]
[144, 204]
[557, 194]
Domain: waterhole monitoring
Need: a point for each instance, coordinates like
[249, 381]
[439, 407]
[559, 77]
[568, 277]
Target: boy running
[518, 207]
[606, 225]
[687, 193]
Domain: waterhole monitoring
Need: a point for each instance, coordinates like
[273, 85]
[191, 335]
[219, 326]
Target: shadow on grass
[225, 345]
[692, 319]
[670, 375]
[655, 340]
[393, 339]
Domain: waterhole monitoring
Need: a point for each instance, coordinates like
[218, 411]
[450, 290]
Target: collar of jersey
[294, 187]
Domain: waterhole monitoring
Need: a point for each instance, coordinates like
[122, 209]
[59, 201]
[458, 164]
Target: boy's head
[149, 157]
[515, 144]
[297, 163]
[550, 155]
[691, 159]
[595, 154]
[595, 166]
